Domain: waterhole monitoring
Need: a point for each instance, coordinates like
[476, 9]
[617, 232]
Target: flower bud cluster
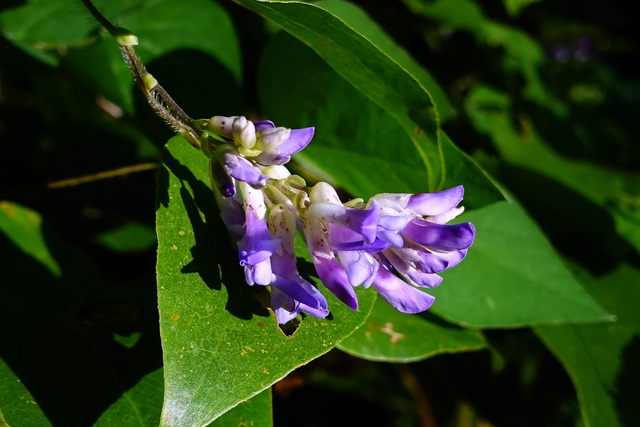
[396, 243]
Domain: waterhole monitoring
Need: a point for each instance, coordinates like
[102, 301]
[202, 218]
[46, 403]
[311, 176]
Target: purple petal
[257, 245]
[298, 139]
[232, 215]
[428, 261]
[360, 266]
[414, 276]
[399, 294]
[362, 221]
[263, 124]
[242, 170]
[432, 204]
[271, 157]
[393, 223]
[329, 270]
[259, 273]
[295, 291]
[343, 239]
[335, 279]
[440, 237]
[221, 179]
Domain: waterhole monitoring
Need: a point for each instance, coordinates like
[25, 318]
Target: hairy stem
[158, 98]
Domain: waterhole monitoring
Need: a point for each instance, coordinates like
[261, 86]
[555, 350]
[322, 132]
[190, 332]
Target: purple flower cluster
[397, 243]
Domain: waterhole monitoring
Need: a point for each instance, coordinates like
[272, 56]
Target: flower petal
[329, 270]
[399, 294]
[298, 140]
[239, 167]
[406, 268]
[360, 266]
[432, 204]
[363, 222]
[438, 236]
[335, 279]
[263, 124]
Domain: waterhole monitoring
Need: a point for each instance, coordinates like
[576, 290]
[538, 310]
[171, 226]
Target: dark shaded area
[522, 384]
[63, 332]
[565, 216]
[628, 384]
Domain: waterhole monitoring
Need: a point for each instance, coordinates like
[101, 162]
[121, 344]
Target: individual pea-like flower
[402, 232]
[290, 293]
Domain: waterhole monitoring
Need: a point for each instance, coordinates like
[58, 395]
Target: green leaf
[22, 226]
[371, 71]
[362, 23]
[253, 412]
[602, 359]
[17, 405]
[391, 336]
[348, 126]
[375, 154]
[131, 237]
[616, 191]
[139, 406]
[511, 277]
[40, 26]
[221, 345]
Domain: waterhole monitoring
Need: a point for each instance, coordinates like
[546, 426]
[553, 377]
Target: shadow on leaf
[213, 257]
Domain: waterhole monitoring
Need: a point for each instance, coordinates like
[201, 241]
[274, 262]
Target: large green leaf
[511, 277]
[391, 336]
[357, 144]
[374, 73]
[221, 345]
[602, 359]
[362, 23]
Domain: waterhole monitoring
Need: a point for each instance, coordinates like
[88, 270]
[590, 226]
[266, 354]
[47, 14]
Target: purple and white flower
[395, 243]
[402, 232]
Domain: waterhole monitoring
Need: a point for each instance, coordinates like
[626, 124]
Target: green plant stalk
[158, 98]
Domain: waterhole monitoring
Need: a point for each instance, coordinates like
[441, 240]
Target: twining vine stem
[158, 98]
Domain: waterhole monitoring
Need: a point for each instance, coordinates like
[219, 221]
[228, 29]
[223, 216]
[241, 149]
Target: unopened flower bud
[244, 132]
[221, 125]
[271, 138]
